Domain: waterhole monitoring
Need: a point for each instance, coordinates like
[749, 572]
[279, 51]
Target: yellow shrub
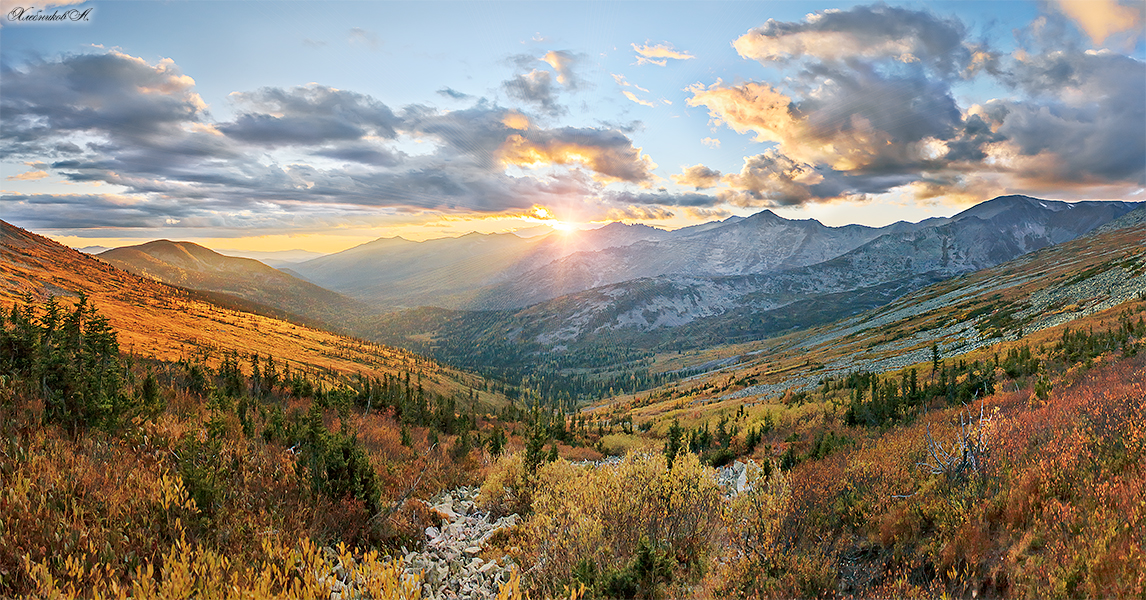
[601, 514]
[506, 489]
[304, 571]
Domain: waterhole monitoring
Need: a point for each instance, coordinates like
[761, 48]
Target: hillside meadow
[231, 484]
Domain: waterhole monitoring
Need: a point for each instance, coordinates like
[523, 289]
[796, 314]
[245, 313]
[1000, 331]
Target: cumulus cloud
[1079, 119]
[112, 92]
[698, 176]
[864, 32]
[287, 154]
[659, 54]
[867, 107]
[564, 63]
[855, 118]
[1103, 19]
[308, 115]
[609, 153]
[535, 88]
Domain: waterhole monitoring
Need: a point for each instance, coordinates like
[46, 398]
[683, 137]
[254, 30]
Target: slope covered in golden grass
[190, 265]
[168, 323]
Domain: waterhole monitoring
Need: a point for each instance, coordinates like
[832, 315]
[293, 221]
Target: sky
[321, 125]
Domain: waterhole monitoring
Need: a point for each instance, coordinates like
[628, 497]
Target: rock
[444, 512]
[448, 559]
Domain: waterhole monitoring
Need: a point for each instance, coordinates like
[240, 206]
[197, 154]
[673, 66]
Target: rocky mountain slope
[192, 266]
[761, 243]
[1037, 292]
[689, 311]
[986, 234]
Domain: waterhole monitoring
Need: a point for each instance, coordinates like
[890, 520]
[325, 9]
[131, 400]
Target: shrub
[607, 514]
[506, 489]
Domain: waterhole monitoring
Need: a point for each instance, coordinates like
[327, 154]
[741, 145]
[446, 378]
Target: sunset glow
[353, 123]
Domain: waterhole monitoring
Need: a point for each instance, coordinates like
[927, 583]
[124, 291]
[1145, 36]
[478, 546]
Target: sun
[545, 216]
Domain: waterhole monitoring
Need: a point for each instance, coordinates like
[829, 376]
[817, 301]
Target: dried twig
[968, 452]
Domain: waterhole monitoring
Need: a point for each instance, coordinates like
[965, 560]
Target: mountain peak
[995, 206]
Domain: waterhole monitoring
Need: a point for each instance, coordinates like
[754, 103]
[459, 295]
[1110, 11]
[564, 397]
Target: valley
[809, 409]
[573, 300]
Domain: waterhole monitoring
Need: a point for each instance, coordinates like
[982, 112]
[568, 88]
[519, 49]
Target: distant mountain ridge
[390, 273]
[691, 310]
[984, 235]
[761, 243]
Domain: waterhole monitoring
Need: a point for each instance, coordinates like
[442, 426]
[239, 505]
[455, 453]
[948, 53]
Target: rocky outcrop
[449, 562]
[734, 478]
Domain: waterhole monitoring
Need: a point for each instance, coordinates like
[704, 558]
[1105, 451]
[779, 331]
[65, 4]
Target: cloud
[863, 32]
[1079, 120]
[37, 172]
[856, 119]
[87, 92]
[1102, 19]
[453, 94]
[698, 176]
[29, 176]
[563, 63]
[88, 211]
[710, 142]
[663, 198]
[659, 54]
[609, 153]
[368, 154]
[634, 98]
[639, 213]
[294, 158]
[772, 179]
[535, 88]
[362, 38]
[308, 115]
[621, 81]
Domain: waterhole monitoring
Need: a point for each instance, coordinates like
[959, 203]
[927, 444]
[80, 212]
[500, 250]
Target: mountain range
[483, 298]
[747, 279]
[505, 272]
[391, 273]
